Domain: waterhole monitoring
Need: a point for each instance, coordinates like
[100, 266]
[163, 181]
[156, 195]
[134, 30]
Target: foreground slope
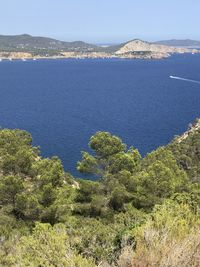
[139, 212]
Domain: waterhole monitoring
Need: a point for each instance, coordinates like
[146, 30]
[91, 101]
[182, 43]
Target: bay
[63, 102]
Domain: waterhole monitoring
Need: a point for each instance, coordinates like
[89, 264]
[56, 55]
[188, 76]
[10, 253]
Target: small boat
[10, 59]
[34, 59]
[23, 59]
[0, 59]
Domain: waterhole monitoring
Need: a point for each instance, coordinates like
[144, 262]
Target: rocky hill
[139, 45]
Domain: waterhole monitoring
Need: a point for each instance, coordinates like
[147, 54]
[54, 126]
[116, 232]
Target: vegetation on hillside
[137, 212]
[28, 43]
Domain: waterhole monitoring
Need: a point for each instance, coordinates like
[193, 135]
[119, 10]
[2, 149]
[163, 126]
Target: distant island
[29, 47]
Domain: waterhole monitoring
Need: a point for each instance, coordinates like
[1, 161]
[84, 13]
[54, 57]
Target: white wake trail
[183, 79]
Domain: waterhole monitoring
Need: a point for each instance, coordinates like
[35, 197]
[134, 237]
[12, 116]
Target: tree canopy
[129, 215]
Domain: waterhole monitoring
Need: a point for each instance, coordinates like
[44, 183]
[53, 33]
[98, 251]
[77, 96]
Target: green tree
[110, 156]
[17, 154]
[49, 171]
[119, 197]
[157, 182]
[10, 187]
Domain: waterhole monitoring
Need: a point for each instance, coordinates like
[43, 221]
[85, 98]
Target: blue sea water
[63, 102]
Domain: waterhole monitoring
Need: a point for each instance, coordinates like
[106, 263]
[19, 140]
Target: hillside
[27, 46]
[180, 43]
[139, 212]
[29, 43]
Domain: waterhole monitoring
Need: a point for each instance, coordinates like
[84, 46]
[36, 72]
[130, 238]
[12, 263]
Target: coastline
[89, 55]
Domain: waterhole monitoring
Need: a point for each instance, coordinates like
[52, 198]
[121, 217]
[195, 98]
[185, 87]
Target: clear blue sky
[102, 20]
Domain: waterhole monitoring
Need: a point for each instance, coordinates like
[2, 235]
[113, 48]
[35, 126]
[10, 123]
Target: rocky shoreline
[93, 55]
[192, 129]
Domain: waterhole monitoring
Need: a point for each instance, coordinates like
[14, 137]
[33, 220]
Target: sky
[102, 21]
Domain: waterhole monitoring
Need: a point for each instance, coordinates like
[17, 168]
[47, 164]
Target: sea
[62, 103]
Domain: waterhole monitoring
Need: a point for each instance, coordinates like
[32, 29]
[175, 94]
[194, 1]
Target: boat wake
[183, 79]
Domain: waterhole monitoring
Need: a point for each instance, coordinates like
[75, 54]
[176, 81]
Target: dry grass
[160, 250]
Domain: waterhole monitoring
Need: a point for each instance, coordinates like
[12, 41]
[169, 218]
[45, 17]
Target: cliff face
[138, 45]
[193, 128]
[15, 55]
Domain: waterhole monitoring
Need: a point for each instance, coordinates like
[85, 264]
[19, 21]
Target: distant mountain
[27, 42]
[175, 42]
